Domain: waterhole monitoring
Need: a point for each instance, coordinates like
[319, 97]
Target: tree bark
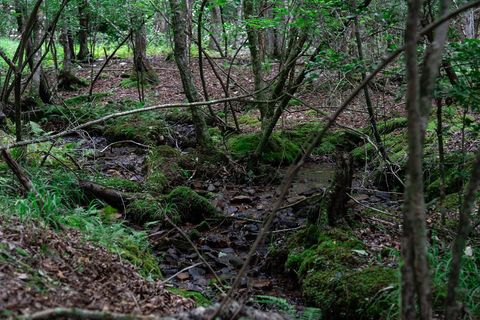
[83, 19]
[142, 69]
[341, 187]
[256, 57]
[414, 228]
[181, 53]
[452, 306]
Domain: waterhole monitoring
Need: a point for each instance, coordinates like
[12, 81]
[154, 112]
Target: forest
[239, 159]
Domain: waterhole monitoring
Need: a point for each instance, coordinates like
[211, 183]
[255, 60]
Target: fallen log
[111, 196]
[234, 311]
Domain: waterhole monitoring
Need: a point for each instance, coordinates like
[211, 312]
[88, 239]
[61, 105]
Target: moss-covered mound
[352, 294]
[331, 268]
[144, 128]
[117, 183]
[145, 209]
[190, 206]
[394, 137]
[279, 150]
[163, 170]
[335, 140]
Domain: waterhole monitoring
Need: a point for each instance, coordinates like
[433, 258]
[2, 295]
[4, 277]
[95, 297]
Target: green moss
[313, 249]
[390, 125]
[143, 210]
[333, 141]
[179, 115]
[363, 294]
[248, 119]
[163, 170]
[200, 299]
[279, 150]
[143, 259]
[118, 183]
[190, 205]
[156, 182]
[142, 128]
[78, 100]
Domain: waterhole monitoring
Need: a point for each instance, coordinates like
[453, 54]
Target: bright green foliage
[156, 182]
[191, 206]
[278, 150]
[78, 100]
[327, 249]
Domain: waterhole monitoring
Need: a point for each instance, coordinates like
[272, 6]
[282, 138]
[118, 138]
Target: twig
[196, 250]
[371, 208]
[183, 270]
[124, 141]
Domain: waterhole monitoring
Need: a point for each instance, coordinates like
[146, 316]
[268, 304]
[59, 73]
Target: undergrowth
[61, 209]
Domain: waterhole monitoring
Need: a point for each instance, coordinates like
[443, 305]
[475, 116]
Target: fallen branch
[122, 114]
[73, 313]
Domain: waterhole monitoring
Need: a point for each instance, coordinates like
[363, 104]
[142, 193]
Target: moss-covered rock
[357, 294]
[117, 183]
[143, 210]
[163, 170]
[313, 249]
[339, 139]
[190, 206]
[143, 128]
[330, 265]
[279, 150]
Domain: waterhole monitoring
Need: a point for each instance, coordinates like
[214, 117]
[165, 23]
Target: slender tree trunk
[180, 51]
[83, 18]
[415, 271]
[452, 307]
[216, 28]
[414, 225]
[366, 93]
[441, 155]
[142, 69]
[256, 59]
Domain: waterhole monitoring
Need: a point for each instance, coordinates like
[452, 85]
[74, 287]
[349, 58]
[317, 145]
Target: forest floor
[44, 268]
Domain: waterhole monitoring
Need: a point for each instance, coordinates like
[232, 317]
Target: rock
[241, 199]
[183, 276]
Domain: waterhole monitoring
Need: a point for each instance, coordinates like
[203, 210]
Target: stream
[223, 241]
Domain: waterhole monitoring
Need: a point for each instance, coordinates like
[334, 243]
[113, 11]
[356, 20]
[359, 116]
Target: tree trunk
[83, 19]
[340, 189]
[415, 271]
[256, 59]
[142, 69]
[464, 228]
[368, 100]
[216, 35]
[181, 53]
[414, 228]
[468, 24]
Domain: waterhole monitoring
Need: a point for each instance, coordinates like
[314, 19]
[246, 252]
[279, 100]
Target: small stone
[183, 276]
[241, 199]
